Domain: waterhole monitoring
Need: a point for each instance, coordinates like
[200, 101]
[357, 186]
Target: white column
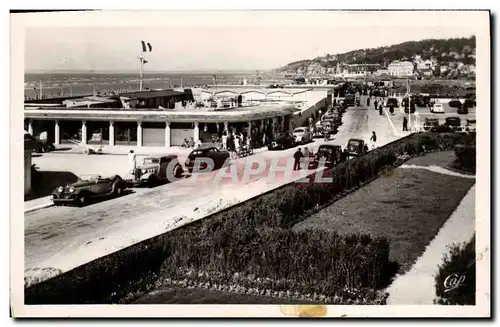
[84, 132]
[290, 125]
[167, 134]
[111, 133]
[30, 126]
[196, 132]
[275, 123]
[249, 134]
[226, 127]
[57, 136]
[139, 133]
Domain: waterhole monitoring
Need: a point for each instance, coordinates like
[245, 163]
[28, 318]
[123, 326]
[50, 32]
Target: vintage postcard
[289, 163]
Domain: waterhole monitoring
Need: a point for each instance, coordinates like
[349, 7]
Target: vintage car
[317, 130]
[437, 108]
[302, 135]
[454, 123]
[219, 157]
[355, 148]
[462, 110]
[154, 170]
[469, 103]
[87, 188]
[470, 126]
[392, 102]
[282, 141]
[331, 154]
[329, 127]
[455, 104]
[430, 123]
[410, 109]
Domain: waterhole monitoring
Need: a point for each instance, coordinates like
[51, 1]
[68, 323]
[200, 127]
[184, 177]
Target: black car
[454, 123]
[282, 141]
[355, 148]
[462, 110]
[88, 187]
[455, 104]
[469, 103]
[430, 123]
[219, 157]
[331, 154]
[392, 102]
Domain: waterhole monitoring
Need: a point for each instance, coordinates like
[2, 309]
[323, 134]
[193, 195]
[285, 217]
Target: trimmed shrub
[255, 238]
[465, 157]
[456, 279]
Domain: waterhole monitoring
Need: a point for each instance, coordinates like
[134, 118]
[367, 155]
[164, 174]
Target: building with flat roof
[161, 117]
[401, 68]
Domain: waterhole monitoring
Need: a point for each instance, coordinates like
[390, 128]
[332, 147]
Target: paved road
[66, 237]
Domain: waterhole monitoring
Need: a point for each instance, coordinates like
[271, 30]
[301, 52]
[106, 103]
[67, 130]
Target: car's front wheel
[82, 200]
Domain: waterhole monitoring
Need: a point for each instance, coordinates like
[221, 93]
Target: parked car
[302, 135]
[329, 126]
[332, 154]
[454, 123]
[356, 148]
[455, 104]
[392, 102]
[153, 170]
[470, 126]
[462, 110]
[437, 108]
[469, 103]
[219, 157]
[282, 141]
[317, 130]
[430, 123]
[87, 188]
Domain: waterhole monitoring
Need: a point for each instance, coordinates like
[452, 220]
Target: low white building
[401, 68]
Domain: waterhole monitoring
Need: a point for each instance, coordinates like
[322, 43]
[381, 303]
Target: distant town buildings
[400, 68]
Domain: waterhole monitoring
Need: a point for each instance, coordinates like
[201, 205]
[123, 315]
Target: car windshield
[325, 149]
[354, 143]
[88, 177]
[298, 130]
[148, 161]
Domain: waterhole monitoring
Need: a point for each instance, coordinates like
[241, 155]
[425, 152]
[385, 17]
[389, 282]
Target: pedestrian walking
[236, 143]
[380, 110]
[296, 159]
[405, 124]
[373, 140]
[368, 102]
[391, 109]
[132, 163]
[224, 140]
[375, 104]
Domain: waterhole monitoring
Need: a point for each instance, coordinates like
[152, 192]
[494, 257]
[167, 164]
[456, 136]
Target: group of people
[234, 141]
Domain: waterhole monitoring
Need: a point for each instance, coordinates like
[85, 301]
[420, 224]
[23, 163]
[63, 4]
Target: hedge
[254, 238]
[456, 279]
[465, 157]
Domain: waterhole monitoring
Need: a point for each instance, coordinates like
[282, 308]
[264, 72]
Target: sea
[61, 84]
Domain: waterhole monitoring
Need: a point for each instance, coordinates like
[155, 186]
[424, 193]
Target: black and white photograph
[294, 163]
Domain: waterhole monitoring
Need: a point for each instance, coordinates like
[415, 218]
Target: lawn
[407, 206]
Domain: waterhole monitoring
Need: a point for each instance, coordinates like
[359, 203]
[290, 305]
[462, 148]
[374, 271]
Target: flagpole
[41, 89]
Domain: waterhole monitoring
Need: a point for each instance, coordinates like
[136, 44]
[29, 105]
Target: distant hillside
[444, 51]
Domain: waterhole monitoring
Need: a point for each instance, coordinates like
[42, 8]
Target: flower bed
[254, 238]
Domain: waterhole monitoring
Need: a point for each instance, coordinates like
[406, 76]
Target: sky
[218, 41]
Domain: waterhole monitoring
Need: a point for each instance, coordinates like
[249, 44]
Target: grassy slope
[408, 206]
